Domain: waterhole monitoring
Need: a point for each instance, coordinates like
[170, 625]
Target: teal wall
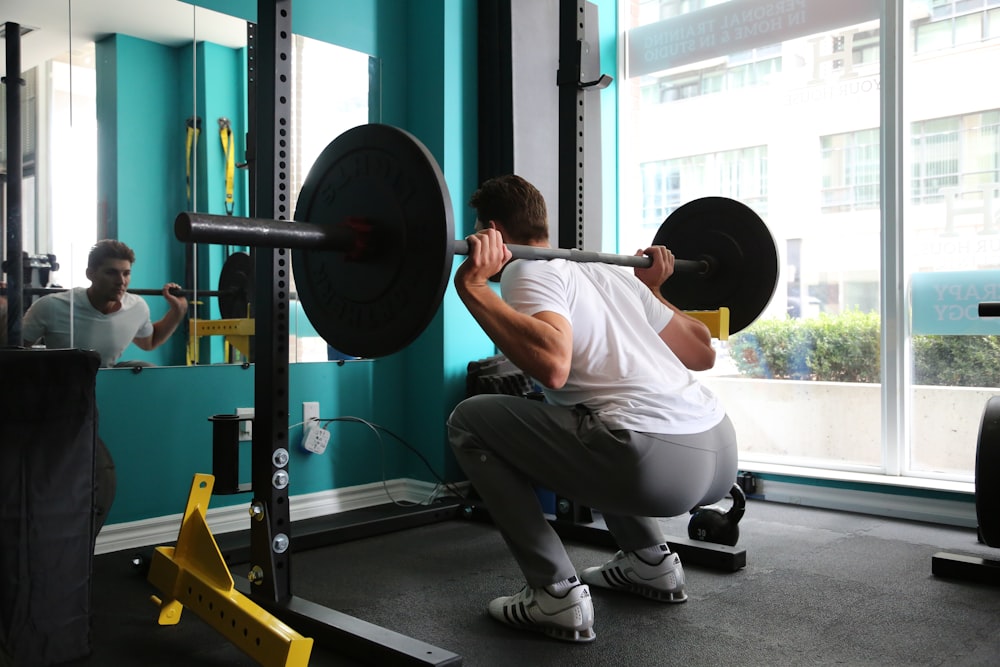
[156, 426]
[155, 422]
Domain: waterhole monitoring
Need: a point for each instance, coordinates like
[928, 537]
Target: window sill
[874, 479]
[946, 502]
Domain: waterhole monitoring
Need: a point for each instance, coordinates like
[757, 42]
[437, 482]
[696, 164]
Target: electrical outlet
[310, 412]
[246, 426]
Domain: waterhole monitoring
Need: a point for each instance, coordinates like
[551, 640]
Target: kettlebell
[710, 523]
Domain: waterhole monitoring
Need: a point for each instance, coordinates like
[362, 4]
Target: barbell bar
[373, 244]
[235, 291]
[42, 291]
[192, 227]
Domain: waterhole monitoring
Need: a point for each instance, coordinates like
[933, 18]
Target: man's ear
[90, 274]
[480, 225]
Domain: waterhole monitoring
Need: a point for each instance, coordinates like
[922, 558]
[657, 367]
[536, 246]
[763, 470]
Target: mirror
[60, 50]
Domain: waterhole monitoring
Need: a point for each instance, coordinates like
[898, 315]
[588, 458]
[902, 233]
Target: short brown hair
[517, 204]
[106, 249]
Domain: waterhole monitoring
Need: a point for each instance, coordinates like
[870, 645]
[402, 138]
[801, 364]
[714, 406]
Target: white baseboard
[163, 529]
[915, 508]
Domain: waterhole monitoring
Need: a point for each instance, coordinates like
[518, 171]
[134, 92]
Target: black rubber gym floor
[819, 588]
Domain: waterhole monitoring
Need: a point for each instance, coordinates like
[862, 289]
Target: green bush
[959, 361]
[846, 348]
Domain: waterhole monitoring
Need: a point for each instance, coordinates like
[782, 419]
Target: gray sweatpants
[509, 446]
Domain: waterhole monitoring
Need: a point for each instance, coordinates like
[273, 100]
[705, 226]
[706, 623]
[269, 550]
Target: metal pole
[270, 538]
[15, 174]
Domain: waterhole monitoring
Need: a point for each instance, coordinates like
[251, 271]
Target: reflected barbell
[235, 292]
[175, 291]
[373, 245]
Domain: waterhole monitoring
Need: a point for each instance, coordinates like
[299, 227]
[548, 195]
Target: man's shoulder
[55, 300]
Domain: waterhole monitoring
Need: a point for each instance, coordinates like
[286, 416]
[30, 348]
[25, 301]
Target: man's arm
[33, 325]
[165, 326]
[688, 338]
[539, 345]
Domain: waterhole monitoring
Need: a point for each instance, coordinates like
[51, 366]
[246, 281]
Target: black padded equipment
[987, 472]
[48, 434]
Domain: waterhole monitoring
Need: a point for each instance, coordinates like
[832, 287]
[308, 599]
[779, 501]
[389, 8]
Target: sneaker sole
[562, 634]
[575, 636]
[615, 580]
[514, 616]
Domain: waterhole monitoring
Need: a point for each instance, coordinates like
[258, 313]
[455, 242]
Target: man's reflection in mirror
[104, 317]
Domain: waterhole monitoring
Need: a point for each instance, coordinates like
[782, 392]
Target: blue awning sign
[947, 302]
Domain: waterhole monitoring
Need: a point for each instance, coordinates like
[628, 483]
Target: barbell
[373, 243]
[176, 291]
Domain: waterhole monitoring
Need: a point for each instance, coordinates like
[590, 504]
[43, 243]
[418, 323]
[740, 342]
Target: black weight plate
[744, 259]
[386, 177]
[987, 473]
[236, 286]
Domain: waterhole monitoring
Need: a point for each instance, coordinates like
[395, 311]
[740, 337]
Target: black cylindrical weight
[740, 250]
[225, 452]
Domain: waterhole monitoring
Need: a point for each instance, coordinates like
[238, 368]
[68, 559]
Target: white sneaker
[627, 572]
[569, 617]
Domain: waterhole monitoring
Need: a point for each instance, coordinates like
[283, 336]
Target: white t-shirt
[48, 320]
[621, 370]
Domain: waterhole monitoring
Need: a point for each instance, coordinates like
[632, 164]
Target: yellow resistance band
[193, 130]
[226, 135]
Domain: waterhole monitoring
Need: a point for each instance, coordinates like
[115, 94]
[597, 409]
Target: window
[666, 184]
[850, 170]
[955, 155]
[743, 70]
[955, 23]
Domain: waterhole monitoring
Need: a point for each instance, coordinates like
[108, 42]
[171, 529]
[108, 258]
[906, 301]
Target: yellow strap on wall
[228, 148]
[193, 125]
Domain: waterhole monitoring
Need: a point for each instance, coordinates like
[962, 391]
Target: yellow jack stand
[194, 573]
[238, 333]
[717, 321]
